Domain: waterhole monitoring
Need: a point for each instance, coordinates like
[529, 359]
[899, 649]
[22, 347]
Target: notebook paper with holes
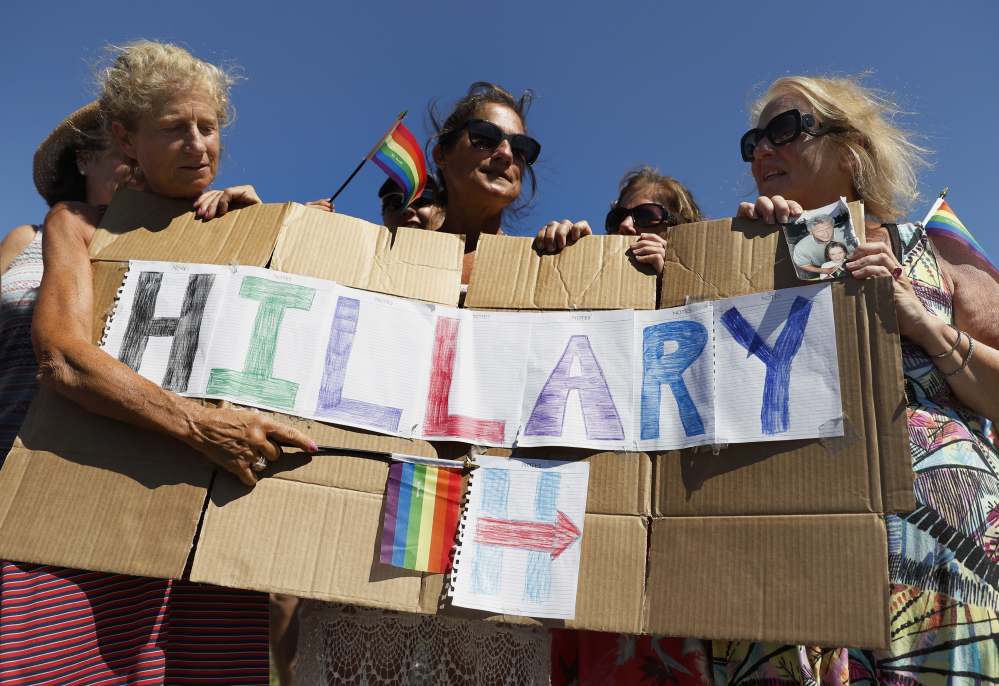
[520, 537]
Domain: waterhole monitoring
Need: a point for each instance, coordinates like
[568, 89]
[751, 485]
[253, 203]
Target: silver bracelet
[959, 332]
[971, 351]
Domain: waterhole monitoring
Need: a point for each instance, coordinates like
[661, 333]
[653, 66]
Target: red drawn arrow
[528, 535]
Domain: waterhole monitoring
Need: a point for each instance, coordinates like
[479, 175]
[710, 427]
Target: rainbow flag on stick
[421, 517]
[399, 156]
[941, 221]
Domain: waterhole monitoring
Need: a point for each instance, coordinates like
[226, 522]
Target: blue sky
[659, 82]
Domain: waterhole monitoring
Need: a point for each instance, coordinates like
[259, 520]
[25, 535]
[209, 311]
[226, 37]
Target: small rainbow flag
[399, 156]
[421, 517]
[941, 221]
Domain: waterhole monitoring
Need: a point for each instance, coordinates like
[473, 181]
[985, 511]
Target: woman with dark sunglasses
[647, 205]
[821, 138]
[482, 156]
[424, 212]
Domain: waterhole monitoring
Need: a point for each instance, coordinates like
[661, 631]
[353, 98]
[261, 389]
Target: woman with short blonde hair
[162, 109]
[817, 139]
[885, 158]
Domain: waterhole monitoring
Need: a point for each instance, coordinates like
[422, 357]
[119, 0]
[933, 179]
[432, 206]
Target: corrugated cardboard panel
[729, 257]
[406, 262]
[811, 580]
[818, 476]
[97, 512]
[890, 402]
[598, 273]
[89, 492]
[611, 574]
[303, 540]
[142, 226]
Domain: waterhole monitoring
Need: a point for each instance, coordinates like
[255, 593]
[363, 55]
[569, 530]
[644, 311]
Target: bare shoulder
[975, 292]
[14, 243]
[71, 221]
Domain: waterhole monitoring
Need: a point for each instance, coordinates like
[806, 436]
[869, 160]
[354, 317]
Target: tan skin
[177, 148]
[428, 217]
[480, 183]
[650, 248]
[814, 173]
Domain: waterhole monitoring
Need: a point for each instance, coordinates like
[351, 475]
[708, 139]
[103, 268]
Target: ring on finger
[896, 273]
[260, 464]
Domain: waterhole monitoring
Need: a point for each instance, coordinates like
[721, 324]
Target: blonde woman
[816, 139]
[162, 110]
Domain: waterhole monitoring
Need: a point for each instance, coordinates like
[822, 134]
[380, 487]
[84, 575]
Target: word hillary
[615, 379]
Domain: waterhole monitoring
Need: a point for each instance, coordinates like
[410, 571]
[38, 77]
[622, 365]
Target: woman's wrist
[190, 417]
[937, 338]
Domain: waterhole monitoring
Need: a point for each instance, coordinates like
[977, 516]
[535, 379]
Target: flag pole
[371, 154]
[936, 205]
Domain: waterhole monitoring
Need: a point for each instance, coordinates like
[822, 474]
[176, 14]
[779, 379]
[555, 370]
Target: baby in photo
[820, 241]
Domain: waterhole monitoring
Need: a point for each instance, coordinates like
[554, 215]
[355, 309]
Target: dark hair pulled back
[479, 94]
[69, 184]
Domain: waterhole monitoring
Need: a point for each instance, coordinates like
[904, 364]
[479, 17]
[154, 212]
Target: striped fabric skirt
[66, 626]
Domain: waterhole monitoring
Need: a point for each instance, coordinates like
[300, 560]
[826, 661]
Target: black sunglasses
[783, 129]
[396, 202]
[645, 216]
[484, 135]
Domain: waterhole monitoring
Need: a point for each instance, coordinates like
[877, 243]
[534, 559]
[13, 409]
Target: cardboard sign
[746, 544]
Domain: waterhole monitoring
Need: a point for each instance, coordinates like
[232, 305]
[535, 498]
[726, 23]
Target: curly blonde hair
[141, 74]
[665, 190]
[886, 158]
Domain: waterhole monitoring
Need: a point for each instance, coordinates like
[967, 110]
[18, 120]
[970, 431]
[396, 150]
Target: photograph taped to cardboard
[521, 536]
[820, 241]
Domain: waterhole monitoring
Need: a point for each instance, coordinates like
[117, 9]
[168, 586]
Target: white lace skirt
[346, 644]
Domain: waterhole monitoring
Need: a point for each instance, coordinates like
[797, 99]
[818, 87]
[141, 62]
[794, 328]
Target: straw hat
[47, 156]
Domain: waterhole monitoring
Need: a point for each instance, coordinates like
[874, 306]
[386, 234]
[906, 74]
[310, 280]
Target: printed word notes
[521, 536]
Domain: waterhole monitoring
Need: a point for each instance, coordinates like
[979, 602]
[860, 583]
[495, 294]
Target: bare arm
[71, 365]
[975, 293]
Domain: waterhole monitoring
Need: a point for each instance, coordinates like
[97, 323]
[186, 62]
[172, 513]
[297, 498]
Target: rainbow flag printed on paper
[421, 517]
[941, 221]
[401, 158]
